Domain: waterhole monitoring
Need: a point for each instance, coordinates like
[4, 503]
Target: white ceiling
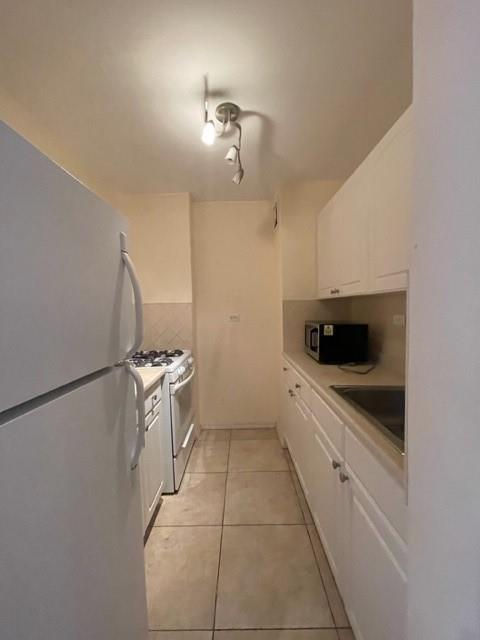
[120, 82]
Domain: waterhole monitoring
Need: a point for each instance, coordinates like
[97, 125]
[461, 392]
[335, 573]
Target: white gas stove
[178, 424]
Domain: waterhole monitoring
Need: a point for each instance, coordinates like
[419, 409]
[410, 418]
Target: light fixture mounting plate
[226, 109]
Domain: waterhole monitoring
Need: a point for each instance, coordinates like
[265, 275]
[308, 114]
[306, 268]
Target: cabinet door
[300, 440]
[376, 557]
[342, 237]
[283, 417]
[327, 501]
[326, 252]
[390, 208]
[151, 467]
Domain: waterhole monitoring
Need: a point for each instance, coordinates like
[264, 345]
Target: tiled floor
[235, 554]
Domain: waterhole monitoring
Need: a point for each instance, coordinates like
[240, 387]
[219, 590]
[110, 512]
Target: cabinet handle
[298, 386]
[335, 464]
[332, 291]
[343, 477]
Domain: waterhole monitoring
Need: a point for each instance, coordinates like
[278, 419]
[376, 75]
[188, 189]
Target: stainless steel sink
[385, 406]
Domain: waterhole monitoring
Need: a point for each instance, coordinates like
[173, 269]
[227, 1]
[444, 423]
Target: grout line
[321, 575]
[221, 540]
[233, 524]
[256, 629]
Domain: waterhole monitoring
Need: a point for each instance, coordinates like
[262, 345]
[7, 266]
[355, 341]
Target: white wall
[160, 243]
[444, 371]
[298, 204]
[236, 272]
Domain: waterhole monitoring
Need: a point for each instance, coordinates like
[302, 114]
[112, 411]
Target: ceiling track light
[227, 114]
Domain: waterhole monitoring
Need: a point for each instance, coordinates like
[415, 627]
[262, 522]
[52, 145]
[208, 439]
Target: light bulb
[209, 133]
[238, 177]
[232, 155]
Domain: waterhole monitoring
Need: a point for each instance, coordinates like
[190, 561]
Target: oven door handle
[179, 385]
[188, 436]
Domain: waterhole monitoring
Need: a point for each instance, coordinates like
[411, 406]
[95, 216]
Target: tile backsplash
[387, 340]
[168, 325]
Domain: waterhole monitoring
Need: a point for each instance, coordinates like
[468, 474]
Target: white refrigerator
[71, 547]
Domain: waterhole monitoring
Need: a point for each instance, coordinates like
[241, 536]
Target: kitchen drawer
[330, 422]
[389, 494]
[287, 376]
[153, 399]
[301, 388]
[153, 415]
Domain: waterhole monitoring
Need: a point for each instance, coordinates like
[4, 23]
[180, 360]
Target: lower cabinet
[366, 553]
[377, 583]
[327, 503]
[151, 467]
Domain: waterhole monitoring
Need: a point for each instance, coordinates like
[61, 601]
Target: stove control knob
[190, 361]
[181, 370]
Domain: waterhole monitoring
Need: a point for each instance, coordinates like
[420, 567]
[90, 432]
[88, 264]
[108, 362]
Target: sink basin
[385, 406]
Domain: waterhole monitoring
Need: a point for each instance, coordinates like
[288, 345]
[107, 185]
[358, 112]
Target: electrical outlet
[399, 320]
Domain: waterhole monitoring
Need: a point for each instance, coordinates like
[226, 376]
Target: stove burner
[155, 358]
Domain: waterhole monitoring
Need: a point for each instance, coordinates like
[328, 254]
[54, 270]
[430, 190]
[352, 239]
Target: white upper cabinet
[390, 206]
[362, 233]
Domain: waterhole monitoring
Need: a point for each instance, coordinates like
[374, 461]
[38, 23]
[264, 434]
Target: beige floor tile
[334, 598]
[345, 634]
[254, 434]
[181, 568]
[214, 435]
[256, 455]
[261, 498]
[269, 579]
[307, 514]
[199, 501]
[277, 634]
[181, 635]
[208, 457]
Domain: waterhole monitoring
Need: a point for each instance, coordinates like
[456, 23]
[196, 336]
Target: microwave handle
[313, 332]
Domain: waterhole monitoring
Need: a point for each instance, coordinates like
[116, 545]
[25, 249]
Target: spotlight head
[232, 155]
[238, 177]
[209, 133]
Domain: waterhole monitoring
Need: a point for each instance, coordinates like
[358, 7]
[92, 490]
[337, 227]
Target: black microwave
[336, 342]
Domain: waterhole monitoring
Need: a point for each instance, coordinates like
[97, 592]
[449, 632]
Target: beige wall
[160, 243]
[236, 272]
[298, 205]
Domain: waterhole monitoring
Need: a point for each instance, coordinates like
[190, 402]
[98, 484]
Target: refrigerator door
[66, 295]
[71, 538]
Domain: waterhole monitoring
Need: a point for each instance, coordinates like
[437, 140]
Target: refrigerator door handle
[140, 397]
[137, 295]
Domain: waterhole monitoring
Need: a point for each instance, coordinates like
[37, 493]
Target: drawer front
[389, 495]
[153, 399]
[330, 422]
[301, 388]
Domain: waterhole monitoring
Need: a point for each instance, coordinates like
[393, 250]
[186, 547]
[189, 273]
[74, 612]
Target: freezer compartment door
[71, 538]
[66, 290]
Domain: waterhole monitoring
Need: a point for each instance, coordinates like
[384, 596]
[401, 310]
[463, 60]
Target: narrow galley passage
[235, 554]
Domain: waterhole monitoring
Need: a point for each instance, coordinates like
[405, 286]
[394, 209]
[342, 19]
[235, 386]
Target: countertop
[151, 376]
[321, 377]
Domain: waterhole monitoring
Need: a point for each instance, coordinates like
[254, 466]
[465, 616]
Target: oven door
[181, 404]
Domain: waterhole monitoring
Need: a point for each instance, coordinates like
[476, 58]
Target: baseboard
[265, 425]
